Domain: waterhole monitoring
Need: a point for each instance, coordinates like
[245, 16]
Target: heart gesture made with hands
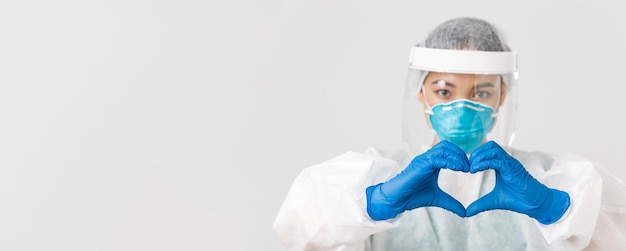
[515, 190]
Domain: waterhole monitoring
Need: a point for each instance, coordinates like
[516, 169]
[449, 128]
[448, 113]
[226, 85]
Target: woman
[462, 186]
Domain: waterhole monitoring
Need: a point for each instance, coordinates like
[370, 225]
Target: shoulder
[547, 161]
[533, 159]
[351, 170]
[354, 163]
[545, 165]
[369, 155]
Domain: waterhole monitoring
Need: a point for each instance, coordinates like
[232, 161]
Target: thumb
[485, 203]
[445, 201]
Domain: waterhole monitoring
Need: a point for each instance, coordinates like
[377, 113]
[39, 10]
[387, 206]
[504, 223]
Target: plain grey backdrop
[180, 125]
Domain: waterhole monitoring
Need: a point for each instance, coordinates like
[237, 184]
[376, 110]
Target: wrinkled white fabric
[325, 209]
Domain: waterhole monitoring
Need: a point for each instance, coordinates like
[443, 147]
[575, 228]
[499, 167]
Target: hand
[515, 189]
[416, 186]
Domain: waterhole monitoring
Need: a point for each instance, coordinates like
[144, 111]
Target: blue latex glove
[416, 186]
[515, 189]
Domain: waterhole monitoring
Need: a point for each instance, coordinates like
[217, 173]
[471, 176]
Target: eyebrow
[481, 85]
[436, 82]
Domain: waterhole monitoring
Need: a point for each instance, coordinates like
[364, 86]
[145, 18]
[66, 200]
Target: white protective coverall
[325, 209]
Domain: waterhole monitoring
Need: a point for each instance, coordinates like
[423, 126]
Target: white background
[180, 125]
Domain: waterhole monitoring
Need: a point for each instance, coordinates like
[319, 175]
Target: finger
[436, 198]
[485, 203]
[459, 155]
[447, 150]
[488, 150]
[452, 163]
[479, 167]
[445, 201]
[496, 164]
[421, 199]
[451, 148]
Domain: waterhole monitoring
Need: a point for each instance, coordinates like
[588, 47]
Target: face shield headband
[463, 61]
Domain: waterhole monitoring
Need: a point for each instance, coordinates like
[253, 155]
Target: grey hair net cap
[465, 33]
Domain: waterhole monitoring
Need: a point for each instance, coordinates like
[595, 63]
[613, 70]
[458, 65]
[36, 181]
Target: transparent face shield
[465, 97]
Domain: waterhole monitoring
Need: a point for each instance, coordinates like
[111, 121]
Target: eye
[443, 93]
[482, 95]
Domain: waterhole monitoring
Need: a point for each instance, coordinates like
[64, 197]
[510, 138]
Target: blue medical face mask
[462, 122]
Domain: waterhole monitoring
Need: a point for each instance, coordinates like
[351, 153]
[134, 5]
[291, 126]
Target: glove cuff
[556, 204]
[377, 206]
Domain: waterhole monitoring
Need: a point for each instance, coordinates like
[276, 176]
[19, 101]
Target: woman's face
[446, 87]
